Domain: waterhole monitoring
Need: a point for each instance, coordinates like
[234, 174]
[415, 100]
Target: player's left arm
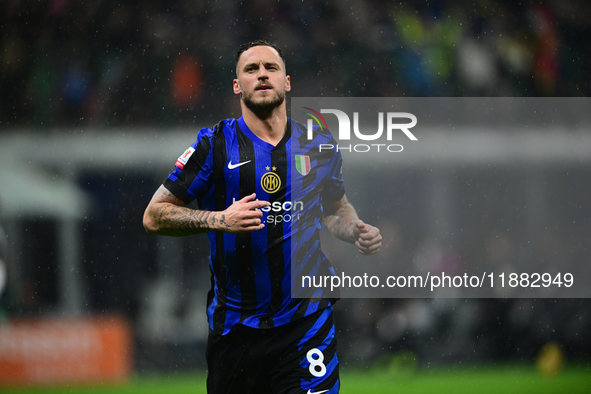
[342, 221]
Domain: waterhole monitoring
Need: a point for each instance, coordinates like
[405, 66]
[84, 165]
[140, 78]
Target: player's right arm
[167, 214]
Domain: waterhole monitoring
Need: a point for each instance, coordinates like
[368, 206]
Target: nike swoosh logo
[232, 166]
[316, 392]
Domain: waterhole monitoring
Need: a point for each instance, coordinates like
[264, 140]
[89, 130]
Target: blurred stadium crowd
[156, 63]
[143, 64]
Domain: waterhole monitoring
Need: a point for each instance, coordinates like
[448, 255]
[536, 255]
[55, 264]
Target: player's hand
[367, 238]
[243, 216]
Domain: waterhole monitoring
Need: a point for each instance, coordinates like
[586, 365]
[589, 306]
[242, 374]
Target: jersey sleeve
[191, 177]
[334, 188]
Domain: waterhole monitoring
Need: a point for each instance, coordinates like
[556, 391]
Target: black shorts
[299, 357]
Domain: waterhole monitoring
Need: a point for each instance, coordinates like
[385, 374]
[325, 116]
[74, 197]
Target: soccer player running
[261, 340]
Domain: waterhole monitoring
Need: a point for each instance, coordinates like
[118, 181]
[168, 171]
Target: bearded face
[263, 100]
[261, 79]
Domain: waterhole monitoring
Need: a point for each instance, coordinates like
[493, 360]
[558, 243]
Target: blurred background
[98, 99]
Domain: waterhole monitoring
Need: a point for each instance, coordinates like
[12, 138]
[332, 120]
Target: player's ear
[287, 83]
[236, 87]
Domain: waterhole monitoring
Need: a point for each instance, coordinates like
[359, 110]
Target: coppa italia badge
[182, 161]
[270, 182]
[303, 164]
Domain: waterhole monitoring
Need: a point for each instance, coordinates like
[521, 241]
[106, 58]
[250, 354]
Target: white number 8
[316, 362]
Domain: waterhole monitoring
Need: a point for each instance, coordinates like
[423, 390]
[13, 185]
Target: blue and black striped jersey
[251, 272]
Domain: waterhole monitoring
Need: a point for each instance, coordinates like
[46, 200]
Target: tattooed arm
[166, 214]
[342, 221]
[339, 217]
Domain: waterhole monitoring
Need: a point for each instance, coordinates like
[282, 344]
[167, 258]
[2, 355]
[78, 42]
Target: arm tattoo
[223, 222]
[172, 218]
[340, 223]
[180, 221]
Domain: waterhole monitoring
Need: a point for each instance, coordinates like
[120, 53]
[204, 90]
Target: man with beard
[256, 210]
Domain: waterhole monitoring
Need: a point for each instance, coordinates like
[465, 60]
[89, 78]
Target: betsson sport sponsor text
[288, 211]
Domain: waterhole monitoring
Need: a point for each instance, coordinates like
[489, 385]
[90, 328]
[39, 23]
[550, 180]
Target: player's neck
[271, 128]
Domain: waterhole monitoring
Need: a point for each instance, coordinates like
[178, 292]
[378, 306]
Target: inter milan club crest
[303, 164]
[270, 182]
